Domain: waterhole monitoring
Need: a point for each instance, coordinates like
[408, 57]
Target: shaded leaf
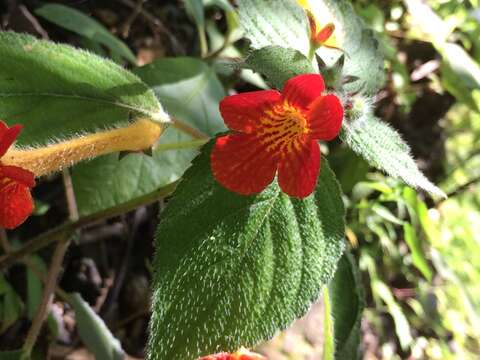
[11, 355]
[34, 285]
[11, 305]
[347, 298]
[84, 25]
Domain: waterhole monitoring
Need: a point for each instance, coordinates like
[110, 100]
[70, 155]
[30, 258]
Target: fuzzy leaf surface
[275, 22]
[383, 148]
[190, 91]
[363, 59]
[279, 64]
[232, 270]
[57, 91]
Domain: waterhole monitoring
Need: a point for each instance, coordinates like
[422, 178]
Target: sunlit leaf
[66, 91]
[242, 267]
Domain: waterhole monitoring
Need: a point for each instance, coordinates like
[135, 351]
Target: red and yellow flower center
[283, 127]
[274, 133]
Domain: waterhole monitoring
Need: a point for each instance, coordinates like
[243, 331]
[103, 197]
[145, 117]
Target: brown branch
[66, 229]
[54, 272]
[47, 297]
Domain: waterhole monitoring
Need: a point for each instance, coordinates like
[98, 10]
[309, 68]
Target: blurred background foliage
[419, 257]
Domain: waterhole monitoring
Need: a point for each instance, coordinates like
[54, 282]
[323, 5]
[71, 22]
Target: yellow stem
[140, 135]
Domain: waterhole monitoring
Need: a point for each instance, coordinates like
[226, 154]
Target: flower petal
[242, 354]
[302, 90]
[298, 170]
[325, 117]
[16, 204]
[241, 164]
[242, 112]
[18, 174]
[8, 136]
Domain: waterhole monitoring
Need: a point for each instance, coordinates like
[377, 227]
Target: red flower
[242, 354]
[16, 202]
[276, 132]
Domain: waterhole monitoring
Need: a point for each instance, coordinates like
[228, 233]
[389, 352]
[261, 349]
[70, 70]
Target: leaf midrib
[79, 98]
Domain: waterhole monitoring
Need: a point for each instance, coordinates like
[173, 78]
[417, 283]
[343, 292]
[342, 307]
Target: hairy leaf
[279, 22]
[279, 64]
[57, 91]
[232, 270]
[190, 91]
[363, 59]
[383, 148]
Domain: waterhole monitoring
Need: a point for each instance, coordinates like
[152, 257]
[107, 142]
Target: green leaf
[278, 64]
[349, 168]
[34, 285]
[265, 22]
[94, 333]
[279, 22]
[347, 299]
[57, 91]
[109, 180]
[418, 255]
[402, 327]
[194, 9]
[189, 89]
[11, 305]
[460, 74]
[11, 355]
[363, 59]
[86, 26]
[191, 92]
[383, 148]
[232, 270]
[222, 4]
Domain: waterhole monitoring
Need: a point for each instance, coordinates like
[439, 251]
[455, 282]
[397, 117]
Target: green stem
[181, 145]
[328, 332]
[203, 41]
